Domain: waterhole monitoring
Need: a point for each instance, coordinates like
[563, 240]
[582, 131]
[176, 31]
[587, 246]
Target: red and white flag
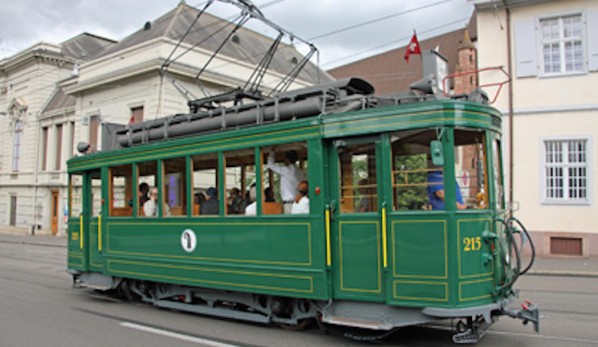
[412, 47]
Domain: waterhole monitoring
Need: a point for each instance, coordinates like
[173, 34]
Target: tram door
[356, 224]
[94, 205]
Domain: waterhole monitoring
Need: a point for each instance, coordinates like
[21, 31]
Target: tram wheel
[301, 325]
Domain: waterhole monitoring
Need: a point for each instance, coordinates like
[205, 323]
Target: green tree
[411, 175]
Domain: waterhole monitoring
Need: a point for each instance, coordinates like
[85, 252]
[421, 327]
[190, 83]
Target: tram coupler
[529, 312]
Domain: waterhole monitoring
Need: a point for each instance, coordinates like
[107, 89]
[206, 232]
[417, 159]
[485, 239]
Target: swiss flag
[412, 47]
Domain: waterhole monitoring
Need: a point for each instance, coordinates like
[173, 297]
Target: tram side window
[96, 194]
[239, 178]
[121, 191]
[147, 178]
[416, 182]
[470, 167]
[359, 189]
[76, 195]
[205, 185]
[175, 187]
[284, 168]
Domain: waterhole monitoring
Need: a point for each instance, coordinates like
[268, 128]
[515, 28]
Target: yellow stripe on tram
[81, 231]
[328, 255]
[100, 232]
[384, 252]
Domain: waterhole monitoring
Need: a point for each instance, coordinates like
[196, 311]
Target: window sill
[562, 74]
[566, 203]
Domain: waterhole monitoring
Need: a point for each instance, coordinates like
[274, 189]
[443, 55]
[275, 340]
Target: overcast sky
[26, 22]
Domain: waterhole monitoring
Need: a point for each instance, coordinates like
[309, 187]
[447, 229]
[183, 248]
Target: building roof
[59, 100]
[389, 73]
[493, 4]
[86, 46]
[248, 46]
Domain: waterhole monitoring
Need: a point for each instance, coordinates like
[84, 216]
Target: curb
[32, 243]
[561, 273]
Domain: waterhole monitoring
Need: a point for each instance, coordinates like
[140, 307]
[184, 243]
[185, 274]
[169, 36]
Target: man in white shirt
[301, 204]
[150, 208]
[251, 209]
[290, 176]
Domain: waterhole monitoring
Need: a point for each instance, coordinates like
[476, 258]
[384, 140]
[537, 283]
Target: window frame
[566, 200]
[17, 145]
[561, 43]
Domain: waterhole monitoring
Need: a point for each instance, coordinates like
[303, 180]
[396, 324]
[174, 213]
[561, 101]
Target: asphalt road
[39, 307]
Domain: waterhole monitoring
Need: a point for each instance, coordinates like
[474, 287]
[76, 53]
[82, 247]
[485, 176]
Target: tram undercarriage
[378, 319]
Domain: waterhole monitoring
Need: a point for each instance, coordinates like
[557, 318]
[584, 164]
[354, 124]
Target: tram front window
[498, 179]
[76, 195]
[470, 167]
[416, 181]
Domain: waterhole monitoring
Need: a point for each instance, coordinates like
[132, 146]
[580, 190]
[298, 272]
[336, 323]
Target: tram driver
[436, 191]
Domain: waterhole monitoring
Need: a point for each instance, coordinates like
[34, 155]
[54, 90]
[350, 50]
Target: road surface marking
[174, 335]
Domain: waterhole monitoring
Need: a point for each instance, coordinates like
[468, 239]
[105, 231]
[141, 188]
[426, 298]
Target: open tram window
[76, 195]
[205, 185]
[284, 167]
[175, 187]
[121, 191]
[359, 189]
[416, 181]
[470, 168]
[239, 176]
[147, 178]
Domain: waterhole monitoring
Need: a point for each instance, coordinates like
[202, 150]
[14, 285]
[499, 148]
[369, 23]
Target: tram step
[358, 323]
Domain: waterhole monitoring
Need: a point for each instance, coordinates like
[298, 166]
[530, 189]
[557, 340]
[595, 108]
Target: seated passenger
[211, 206]
[143, 193]
[436, 191]
[269, 194]
[301, 204]
[235, 203]
[251, 209]
[150, 207]
[200, 198]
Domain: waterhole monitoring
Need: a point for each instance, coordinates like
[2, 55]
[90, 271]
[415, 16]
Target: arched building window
[16, 145]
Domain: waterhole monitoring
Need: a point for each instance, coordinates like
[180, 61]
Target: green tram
[373, 251]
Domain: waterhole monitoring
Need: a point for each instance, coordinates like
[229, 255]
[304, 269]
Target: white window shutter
[525, 48]
[592, 39]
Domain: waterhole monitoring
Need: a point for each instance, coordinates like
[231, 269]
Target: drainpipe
[510, 101]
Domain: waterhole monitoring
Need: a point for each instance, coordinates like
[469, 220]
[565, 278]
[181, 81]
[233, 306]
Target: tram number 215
[471, 244]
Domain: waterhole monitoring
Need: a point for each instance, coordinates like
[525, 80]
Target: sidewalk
[22, 237]
[557, 266]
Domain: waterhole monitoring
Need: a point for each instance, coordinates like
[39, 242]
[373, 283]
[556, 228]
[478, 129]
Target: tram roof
[429, 114]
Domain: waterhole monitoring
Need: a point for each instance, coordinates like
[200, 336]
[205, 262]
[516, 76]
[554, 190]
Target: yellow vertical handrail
[100, 232]
[384, 252]
[328, 255]
[81, 231]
